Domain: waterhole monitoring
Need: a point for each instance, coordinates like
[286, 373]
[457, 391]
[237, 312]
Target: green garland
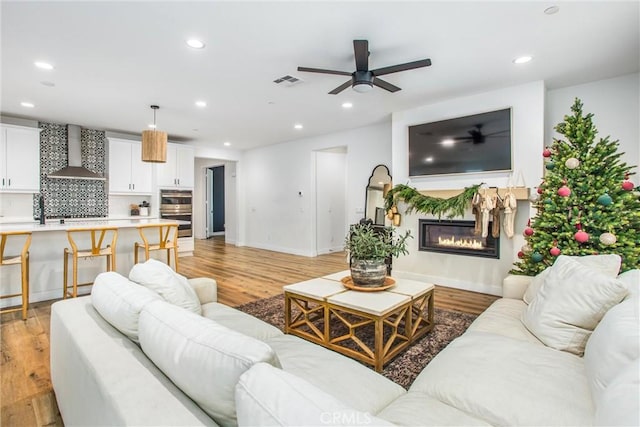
[453, 206]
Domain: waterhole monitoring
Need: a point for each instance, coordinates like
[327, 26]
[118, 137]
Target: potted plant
[368, 248]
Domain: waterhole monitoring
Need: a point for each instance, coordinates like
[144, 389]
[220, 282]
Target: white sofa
[226, 367]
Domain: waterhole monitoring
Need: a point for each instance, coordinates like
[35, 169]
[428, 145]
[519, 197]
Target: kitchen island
[46, 255]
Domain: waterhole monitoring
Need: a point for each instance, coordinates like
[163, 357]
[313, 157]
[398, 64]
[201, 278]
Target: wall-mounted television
[469, 144]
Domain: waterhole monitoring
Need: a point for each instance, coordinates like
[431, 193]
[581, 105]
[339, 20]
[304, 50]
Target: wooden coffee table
[372, 327]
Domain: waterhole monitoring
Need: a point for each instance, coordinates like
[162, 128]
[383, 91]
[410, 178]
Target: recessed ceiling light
[227, 144]
[522, 59]
[152, 126]
[297, 126]
[43, 65]
[551, 10]
[195, 44]
[47, 84]
[201, 104]
[347, 105]
[27, 104]
[429, 159]
[448, 142]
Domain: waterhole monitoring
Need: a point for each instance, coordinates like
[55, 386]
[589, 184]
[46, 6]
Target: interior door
[217, 205]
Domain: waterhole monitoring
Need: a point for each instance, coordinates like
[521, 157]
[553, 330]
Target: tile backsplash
[71, 197]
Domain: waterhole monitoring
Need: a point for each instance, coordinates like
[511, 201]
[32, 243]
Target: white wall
[465, 272]
[614, 104]
[276, 216]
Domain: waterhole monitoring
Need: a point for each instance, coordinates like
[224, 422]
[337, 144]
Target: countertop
[54, 224]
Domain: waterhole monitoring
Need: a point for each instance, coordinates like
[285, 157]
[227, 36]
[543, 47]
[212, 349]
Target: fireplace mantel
[521, 193]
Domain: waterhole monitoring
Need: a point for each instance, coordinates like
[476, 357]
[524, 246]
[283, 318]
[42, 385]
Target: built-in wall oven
[176, 204]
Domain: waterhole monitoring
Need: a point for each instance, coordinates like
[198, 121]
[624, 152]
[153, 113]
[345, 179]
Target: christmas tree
[586, 204]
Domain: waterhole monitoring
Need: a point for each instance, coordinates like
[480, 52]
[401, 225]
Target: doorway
[215, 215]
[331, 196]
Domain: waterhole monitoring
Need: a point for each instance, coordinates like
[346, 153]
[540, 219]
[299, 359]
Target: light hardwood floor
[243, 275]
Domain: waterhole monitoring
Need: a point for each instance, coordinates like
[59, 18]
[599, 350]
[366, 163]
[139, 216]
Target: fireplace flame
[453, 242]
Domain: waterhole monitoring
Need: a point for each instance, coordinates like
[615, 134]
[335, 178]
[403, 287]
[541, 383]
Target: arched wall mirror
[379, 184]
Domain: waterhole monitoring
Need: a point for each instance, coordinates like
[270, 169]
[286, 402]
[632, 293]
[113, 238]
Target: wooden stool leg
[24, 267]
[65, 274]
[175, 256]
[75, 275]
[135, 252]
[113, 260]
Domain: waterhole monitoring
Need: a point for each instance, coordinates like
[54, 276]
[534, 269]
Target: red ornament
[528, 231]
[546, 153]
[564, 191]
[627, 185]
[554, 251]
[520, 254]
[581, 236]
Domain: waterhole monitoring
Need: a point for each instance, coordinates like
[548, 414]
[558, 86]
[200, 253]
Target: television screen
[470, 144]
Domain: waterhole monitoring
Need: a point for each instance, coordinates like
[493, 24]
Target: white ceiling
[113, 59]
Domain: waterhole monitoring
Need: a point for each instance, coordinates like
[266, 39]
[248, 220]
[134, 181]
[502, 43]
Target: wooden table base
[392, 332]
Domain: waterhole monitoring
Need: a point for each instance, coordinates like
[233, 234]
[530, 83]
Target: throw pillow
[120, 301]
[570, 303]
[171, 286]
[613, 345]
[203, 358]
[269, 396]
[608, 264]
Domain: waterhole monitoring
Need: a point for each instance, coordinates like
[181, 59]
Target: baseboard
[324, 251]
[484, 288]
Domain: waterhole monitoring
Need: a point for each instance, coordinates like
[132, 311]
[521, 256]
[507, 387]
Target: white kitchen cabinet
[177, 172]
[19, 159]
[128, 174]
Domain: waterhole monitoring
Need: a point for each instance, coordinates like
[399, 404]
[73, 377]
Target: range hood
[74, 170]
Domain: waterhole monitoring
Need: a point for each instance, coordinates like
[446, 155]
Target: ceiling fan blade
[385, 85]
[341, 87]
[320, 70]
[361, 52]
[401, 67]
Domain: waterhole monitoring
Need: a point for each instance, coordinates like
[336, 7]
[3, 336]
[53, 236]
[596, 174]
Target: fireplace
[456, 237]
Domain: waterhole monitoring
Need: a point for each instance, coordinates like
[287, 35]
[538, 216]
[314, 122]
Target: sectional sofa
[157, 349]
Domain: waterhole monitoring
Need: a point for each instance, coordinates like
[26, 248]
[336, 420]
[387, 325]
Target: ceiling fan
[363, 79]
[477, 137]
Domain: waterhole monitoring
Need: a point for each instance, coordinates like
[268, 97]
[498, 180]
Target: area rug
[405, 367]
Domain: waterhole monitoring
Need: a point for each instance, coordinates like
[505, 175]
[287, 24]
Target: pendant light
[154, 143]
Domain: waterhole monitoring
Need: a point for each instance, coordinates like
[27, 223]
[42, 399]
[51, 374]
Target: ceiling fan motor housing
[362, 77]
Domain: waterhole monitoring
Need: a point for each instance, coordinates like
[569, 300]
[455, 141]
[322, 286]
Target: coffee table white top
[412, 288]
[319, 288]
[376, 303]
[339, 275]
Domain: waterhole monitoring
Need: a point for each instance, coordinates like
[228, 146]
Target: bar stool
[23, 260]
[99, 247]
[168, 240]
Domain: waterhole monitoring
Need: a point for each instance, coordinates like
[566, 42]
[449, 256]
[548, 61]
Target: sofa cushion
[269, 396]
[503, 318]
[239, 321]
[201, 357]
[619, 404]
[171, 286]
[119, 301]
[608, 264]
[613, 345]
[570, 303]
[506, 381]
[352, 383]
[419, 409]
[631, 280]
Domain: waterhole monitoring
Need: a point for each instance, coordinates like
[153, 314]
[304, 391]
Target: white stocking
[487, 206]
[510, 207]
